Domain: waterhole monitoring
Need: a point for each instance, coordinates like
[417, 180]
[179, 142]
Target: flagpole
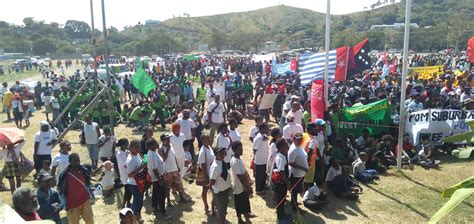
[347, 62]
[326, 71]
[403, 114]
[107, 72]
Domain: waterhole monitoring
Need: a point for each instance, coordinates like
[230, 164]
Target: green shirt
[247, 88]
[136, 113]
[201, 94]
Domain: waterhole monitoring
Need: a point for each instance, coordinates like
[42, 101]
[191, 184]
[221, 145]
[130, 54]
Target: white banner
[437, 123]
[267, 101]
[263, 57]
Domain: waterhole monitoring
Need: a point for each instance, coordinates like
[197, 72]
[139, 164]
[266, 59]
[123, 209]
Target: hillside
[286, 24]
[443, 23]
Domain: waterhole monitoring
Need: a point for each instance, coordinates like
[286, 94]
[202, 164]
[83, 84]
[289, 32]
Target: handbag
[201, 179]
[26, 166]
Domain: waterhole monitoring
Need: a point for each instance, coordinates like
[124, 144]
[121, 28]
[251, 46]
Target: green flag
[142, 81]
[373, 116]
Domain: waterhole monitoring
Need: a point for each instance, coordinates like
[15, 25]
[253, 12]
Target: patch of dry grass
[408, 197]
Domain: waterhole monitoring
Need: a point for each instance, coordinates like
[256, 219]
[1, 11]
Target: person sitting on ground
[25, 204]
[107, 179]
[314, 198]
[46, 166]
[360, 172]
[339, 182]
[425, 160]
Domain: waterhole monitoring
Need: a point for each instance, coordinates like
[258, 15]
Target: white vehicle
[86, 58]
[101, 73]
[119, 70]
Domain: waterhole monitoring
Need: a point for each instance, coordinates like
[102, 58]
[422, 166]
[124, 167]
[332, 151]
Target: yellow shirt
[7, 99]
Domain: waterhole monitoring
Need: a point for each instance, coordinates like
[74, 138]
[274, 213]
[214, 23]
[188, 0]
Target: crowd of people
[205, 108]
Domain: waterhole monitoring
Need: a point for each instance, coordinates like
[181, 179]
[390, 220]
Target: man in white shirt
[177, 141]
[216, 115]
[221, 183]
[261, 150]
[291, 128]
[298, 165]
[44, 141]
[297, 113]
[287, 108]
[91, 133]
[188, 128]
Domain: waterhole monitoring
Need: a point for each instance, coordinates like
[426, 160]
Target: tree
[77, 29]
[44, 45]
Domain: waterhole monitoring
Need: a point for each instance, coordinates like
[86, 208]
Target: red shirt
[31, 217]
[76, 193]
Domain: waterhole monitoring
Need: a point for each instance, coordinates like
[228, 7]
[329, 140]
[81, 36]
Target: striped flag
[311, 66]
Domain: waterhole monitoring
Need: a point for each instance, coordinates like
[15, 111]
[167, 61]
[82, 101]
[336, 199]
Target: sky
[120, 13]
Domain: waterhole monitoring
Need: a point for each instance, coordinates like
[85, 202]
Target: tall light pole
[326, 71]
[94, 52]
[403, 114]
[109, 81]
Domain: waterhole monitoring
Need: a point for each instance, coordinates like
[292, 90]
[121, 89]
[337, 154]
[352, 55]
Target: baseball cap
[295, 97]
[44, 123]
[124, 211]
[165, 136]
[44, 176]
[289, 116]
[220, 149]
[298, 135]
[320, 122]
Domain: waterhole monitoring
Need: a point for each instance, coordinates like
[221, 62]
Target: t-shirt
[186, 126]
[358, 166]
[261, 149]
[61, 162]
[121, 157]
[217, 115]
[311, 194]
[43, 138]
[206, 155]
[177, 144]
[333, 173]
[253, 132]
[298, 116]
[7, 99]
[76, 192]
[155, 162]
[170, 160]
[215, 174]
[10, 157]
[106, 150]
[297, 155]
[280, 162]
[291, 129]
[235, 135]
[133, 162]
[423, 155]
[238, 168]
[224, 142]
[90, 133]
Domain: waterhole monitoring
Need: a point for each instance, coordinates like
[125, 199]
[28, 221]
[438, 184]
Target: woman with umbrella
[12, 140]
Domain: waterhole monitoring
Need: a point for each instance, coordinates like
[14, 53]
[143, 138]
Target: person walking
[90, 137]
[74, 186]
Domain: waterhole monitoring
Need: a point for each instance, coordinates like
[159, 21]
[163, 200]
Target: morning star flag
[142, 81]
[362, 55]
[281, 69]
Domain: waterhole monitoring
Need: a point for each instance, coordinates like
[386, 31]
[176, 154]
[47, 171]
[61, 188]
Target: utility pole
[109, 81]
[406, 41]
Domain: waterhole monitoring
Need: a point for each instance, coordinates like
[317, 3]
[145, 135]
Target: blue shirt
[188, 92]
[45, 199]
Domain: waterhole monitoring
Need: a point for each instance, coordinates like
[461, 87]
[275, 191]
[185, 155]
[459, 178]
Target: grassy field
[406, 197]
[13, 76]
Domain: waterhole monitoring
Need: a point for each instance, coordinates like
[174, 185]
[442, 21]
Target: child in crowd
[61, 160]
[48, 198]
[107, 178]
[360, 172]
[46, 164]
